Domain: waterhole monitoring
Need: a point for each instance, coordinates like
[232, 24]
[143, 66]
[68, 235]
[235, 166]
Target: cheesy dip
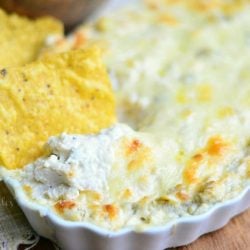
[180, 72]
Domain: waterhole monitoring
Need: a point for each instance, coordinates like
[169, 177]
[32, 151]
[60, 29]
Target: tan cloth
[14, 228]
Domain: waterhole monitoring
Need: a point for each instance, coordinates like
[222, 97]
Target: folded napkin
[14, 228]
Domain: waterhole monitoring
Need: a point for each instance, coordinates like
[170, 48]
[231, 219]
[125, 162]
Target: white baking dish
[84, 236]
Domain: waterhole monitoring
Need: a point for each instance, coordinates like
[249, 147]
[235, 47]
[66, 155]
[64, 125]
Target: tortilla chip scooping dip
[68, 92]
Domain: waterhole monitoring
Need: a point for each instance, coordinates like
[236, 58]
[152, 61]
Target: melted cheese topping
[182, 81]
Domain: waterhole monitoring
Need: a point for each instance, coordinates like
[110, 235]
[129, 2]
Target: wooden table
[235, 236]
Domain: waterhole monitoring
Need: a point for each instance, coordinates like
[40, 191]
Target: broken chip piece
[68, 92]
[21, 39]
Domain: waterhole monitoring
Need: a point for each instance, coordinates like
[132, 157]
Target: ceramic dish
[84, 236]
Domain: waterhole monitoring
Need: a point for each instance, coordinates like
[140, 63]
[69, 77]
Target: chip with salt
[21, 39]
[68, 92]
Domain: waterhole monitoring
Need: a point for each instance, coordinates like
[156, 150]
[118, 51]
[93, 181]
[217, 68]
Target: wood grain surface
[235, 236]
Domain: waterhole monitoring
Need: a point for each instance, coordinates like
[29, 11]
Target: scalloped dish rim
[26, 205]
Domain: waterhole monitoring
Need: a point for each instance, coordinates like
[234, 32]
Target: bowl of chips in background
[71, 12]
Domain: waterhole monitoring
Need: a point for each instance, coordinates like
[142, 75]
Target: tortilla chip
[68, 92]
[21, 39]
